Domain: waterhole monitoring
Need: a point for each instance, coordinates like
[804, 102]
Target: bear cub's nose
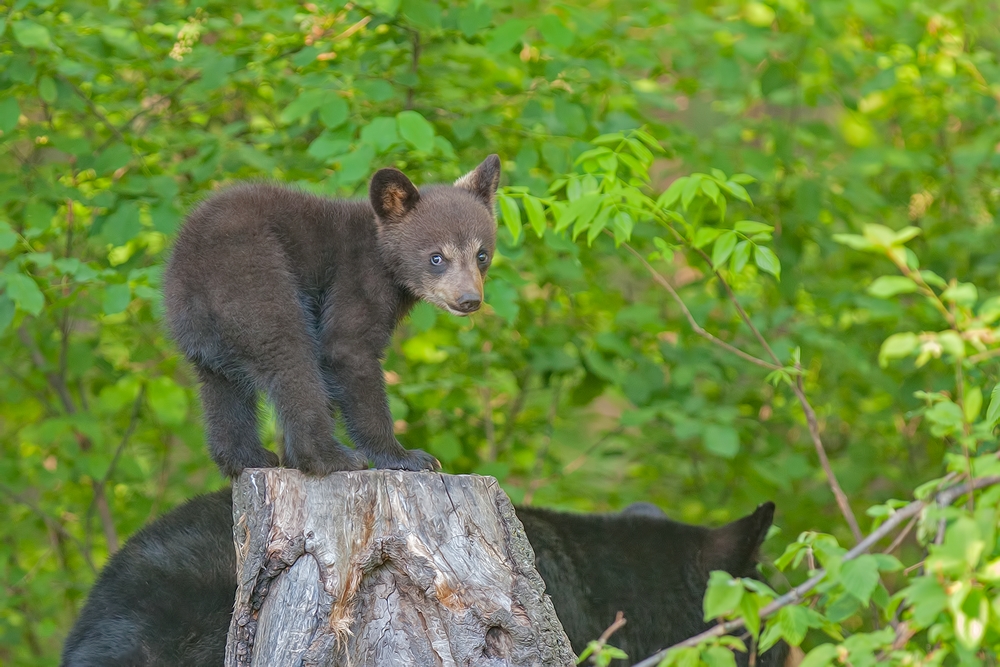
[469, 302]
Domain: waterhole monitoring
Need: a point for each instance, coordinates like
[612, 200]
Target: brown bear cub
[278, 291]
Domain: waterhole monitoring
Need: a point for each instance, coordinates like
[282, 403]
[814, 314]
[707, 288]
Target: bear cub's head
[439, 240]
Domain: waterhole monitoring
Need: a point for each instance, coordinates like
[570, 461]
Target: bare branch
[824, 461]
[665, 284]
[52, 523]
[946, 497]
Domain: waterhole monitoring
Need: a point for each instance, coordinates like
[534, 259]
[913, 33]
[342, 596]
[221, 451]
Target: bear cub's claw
[259, 458]
[413, 459]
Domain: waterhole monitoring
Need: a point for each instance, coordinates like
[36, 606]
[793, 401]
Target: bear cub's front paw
[413, 459]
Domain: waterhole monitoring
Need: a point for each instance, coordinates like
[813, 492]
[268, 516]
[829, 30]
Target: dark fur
[277, 291]
[166, 598]
[653, 569]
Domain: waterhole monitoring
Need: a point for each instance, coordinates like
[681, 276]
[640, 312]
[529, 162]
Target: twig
[52, 523]
[902, 536]
[665, 284]
[946, 497]
[93, 108]
[606, 635]
[810, 414]
[824, 461]
[537, 480]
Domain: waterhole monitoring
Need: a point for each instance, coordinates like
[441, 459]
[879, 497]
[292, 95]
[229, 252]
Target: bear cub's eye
[482, 257]
[437, 260]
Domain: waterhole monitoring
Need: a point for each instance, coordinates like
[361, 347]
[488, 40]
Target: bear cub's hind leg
[232, 420]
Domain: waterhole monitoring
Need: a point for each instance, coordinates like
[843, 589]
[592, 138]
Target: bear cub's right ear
[392, 194]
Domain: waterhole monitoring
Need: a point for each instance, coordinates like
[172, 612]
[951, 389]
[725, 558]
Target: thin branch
[52, 523]
[537, 481]
[824, 461]
[142, 112]
[665, 284]
[515, 409]
[902, 536]
[57, 384]
[93, 108]
[798, 388]
[489, 428]
[946, 497]
[606, 635]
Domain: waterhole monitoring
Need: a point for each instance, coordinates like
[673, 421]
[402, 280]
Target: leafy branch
[944, 498]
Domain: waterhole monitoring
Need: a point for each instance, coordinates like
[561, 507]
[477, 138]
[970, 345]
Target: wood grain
[383, 567]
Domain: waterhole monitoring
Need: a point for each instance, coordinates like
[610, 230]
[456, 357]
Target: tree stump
[382, 567]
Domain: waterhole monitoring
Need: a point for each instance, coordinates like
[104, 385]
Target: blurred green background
[581, 385]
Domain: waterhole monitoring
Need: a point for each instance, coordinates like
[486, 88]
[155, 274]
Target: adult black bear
[166, 598]
[277, 291]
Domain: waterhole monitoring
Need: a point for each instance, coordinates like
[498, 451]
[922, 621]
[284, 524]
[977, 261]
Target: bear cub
[296, 296]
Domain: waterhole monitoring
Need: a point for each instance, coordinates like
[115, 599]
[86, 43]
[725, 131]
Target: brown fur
[277, 291]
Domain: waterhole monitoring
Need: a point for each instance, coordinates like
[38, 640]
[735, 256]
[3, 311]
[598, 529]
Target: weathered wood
[383, 567]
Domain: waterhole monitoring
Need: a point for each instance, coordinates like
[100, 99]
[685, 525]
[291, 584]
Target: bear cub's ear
[392, 194]
[483, 180]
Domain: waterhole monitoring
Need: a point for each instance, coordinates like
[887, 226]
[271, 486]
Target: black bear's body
[639, 562]
[270, 290]
[165, 600]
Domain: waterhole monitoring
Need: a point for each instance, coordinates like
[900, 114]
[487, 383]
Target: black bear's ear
[733, 547]
[483, 180]
[392, 194]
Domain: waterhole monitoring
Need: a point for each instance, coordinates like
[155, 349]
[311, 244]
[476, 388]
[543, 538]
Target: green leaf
[7, 310]
[554, 31]
[741, 255]
[303, 105]
[794, 623]
[116, 298]
[723, 248]
[47, 89]
[168, 400]
[749, 227]
[859, 577]
[704, 236]
[993, 412]
[598, 225]
[737, 191]
[854, 241]
[25, 293]
[536, 214]
[821, 656]
[30, 35]
[897, 346]
[722, 441]
[415, 129]
[723, 595]
[122, 225]
[711, 189]
[672, 193]
[963, 294]
[334, 111]
[750, 610]
[719, 656]
[767, 260]
[973, 404]
[888, 286]
[511, 215]
[10, 112]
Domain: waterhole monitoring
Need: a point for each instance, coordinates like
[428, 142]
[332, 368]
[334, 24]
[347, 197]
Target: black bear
[653, 569]
[296, 296]
[165, 599]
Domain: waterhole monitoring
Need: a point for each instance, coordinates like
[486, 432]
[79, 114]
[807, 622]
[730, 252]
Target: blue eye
[437, 260]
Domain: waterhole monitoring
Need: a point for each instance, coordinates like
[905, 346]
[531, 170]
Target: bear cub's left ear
[483, 180]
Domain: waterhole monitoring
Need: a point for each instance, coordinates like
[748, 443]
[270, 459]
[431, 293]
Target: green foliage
[833, 164]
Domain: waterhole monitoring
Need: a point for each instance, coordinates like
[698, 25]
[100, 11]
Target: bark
[383, 567]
